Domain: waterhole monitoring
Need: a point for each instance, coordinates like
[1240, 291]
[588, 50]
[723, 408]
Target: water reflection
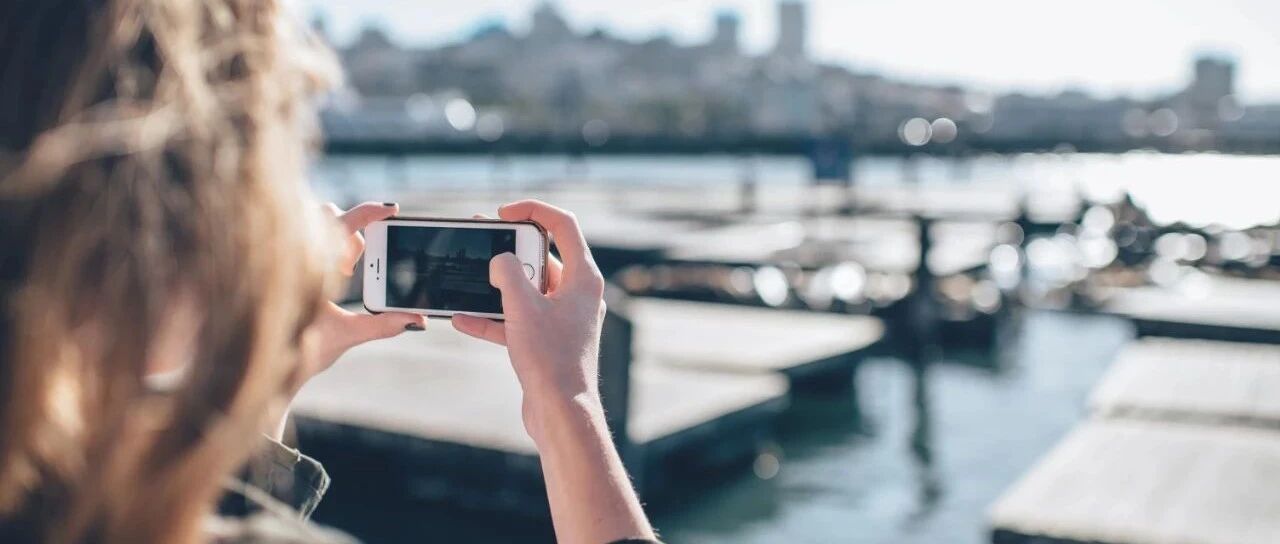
[922, 447]
[916, 452]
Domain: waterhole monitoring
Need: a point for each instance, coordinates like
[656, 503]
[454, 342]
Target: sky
[1108, 47]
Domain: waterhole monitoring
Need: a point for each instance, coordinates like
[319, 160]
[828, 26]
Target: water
[929, 453]
[1200, 189]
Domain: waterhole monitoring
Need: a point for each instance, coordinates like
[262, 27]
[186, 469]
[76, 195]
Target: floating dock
[1194, 381]
[1211, 308]
[813, 350]
[439, 413]
[1143, 482]
[1183, 445]
[707, 382]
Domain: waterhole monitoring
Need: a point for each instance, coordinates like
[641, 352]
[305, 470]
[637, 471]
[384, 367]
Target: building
[1212, 83]
[376, 66]
[724, 40]
[548, 25]
[792, 30]
[553, 80]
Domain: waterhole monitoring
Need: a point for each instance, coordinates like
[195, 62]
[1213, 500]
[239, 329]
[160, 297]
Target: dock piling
[616, 353]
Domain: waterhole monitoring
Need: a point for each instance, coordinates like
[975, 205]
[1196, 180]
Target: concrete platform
[1234, 310]
[1142, 482]
[807, 347]
[436, 415]
[1193, 380]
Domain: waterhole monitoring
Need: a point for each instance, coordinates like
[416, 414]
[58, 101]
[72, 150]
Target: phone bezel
[529, 250]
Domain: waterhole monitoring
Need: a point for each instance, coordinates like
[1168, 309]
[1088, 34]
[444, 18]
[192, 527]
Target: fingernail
[414, 327]
[389, 204]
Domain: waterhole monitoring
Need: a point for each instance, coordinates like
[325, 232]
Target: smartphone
[440, 267]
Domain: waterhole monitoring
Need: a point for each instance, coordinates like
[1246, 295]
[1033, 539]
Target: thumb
[359, 217]
[507, 274]
[376, 327]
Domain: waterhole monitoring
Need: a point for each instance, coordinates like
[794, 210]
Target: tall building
[1211, 88]
[548, 25]
[725, 39]
[792, 28]
[1214, 79]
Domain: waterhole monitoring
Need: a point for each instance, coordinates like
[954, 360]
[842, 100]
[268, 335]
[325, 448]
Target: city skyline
[1138, 48]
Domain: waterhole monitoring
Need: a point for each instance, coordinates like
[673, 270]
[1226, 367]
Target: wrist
[554, 419]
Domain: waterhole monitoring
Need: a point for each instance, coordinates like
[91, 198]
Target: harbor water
[1200, 189]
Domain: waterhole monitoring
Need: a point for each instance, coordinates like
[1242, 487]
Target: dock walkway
[1234, 310]
[813, 350]
[1193, 380]
[1144, 482]
[444, 409]
[1183, 445]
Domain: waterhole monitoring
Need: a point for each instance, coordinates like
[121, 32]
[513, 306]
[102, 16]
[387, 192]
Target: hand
[553, 339]
[338, 330]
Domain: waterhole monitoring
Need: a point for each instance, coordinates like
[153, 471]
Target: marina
[753, 330]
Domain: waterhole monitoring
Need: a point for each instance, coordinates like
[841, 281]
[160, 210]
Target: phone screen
[442, 268]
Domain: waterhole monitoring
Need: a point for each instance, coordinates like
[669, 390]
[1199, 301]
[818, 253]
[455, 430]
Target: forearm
[592, 501]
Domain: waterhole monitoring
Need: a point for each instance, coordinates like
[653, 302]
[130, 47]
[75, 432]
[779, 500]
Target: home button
[528, 270]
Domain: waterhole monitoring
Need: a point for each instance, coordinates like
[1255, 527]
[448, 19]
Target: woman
[164, 282]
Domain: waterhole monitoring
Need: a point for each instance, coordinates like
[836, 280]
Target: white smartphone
[440, 267]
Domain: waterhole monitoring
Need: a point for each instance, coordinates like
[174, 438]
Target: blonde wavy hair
[152, 193]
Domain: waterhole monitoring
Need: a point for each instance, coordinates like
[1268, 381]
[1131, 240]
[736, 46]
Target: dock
[707, 382]
[1143, 482]
[1202, 381]
[814, 351]
[1211, 308]
[720, 198]
[443, 409]
[705, 224]
[1181, 444]
[878, 243]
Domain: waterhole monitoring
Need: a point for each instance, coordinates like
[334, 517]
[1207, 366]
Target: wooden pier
[1212, 308]
[1143, 482]
[718, 199]
[705, 388]
[436, 416]
[800, 225]
[815, 351]
[1183, 445]
[1193, 381]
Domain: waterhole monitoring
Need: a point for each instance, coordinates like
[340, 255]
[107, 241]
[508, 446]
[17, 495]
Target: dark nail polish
[388, 204]
[414, 327]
